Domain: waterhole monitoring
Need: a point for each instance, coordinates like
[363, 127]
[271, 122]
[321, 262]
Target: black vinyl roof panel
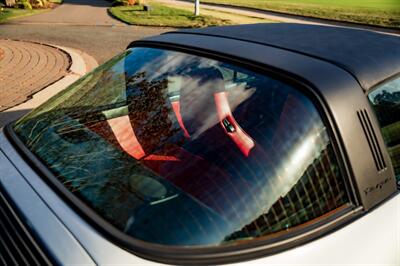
[369, 56]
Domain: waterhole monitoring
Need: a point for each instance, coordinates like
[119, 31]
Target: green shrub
[8, 3]
[24, 4]
[127, 2]
[39, 3]
[32, 4]
[120, 3]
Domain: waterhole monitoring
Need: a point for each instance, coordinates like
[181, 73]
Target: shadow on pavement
[97, 3]
[9, 116]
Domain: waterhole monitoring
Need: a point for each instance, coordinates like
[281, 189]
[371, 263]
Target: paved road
[85, 25]
[81, 24]
[26, 68]
[101, 42]
[75, 12]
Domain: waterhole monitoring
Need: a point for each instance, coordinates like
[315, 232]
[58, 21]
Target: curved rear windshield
[178, 149]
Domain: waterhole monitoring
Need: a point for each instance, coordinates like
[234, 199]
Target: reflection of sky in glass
[101, 174]
[290, 166]
[390, 87]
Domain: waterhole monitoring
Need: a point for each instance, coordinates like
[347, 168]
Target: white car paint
[373, 239]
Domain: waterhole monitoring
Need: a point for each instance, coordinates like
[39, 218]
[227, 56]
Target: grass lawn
[375, 12]
[233, 18]
[9, 13]
[166, 16]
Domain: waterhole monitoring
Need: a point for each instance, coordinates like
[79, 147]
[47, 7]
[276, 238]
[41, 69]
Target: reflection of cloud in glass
[173, 63]
[283, 177]
[391, 87]
[81, 149]
[239, 95]
[300, 158]
[202, 105]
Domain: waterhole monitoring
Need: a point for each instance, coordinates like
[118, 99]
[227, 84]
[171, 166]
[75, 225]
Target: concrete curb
[81, 63]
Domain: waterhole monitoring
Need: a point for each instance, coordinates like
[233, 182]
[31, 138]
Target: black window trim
[256, 248]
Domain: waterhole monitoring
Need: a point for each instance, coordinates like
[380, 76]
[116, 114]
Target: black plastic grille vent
[372, 140]
[17, 246]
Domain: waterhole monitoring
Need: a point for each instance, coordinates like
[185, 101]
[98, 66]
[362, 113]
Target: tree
[196, 7]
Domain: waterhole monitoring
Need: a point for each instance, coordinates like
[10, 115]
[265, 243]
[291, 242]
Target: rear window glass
[178, 149]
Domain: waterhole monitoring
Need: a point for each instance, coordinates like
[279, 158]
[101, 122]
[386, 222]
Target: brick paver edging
[26, 68]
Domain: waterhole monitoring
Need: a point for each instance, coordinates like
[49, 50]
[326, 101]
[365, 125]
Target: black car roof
[369, 56]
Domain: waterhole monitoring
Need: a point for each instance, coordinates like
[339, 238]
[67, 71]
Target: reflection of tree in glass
[387, 107]
[149, 110]
[75, 93]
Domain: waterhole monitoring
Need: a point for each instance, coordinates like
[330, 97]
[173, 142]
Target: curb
[117, 18]
[81, 63]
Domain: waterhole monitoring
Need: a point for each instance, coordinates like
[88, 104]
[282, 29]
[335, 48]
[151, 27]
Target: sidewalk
[31, 73]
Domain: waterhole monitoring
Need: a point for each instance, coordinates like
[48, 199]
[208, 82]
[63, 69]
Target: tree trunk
[10, 3]
[197, 7]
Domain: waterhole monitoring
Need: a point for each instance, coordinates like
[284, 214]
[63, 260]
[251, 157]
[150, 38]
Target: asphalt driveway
[101, 42]
[81, 24]
[84, 25]
[75, 12]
